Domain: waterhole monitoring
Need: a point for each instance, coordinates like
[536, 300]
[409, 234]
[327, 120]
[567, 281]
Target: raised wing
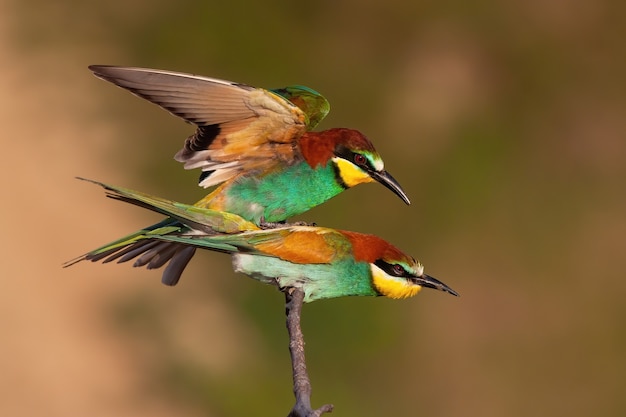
[240, 128]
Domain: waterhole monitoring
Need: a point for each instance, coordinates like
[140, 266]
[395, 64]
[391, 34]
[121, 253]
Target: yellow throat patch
[392, 287]
[351, 175]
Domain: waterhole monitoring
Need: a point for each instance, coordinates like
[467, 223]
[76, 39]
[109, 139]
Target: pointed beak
[429, 282]
[388, 181]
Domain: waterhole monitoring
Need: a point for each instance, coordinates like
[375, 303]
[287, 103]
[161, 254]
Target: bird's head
[403, 278]
[355, 159]
[394, 274]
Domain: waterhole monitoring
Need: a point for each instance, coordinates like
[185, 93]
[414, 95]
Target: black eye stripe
[352, 156]
[395, 270]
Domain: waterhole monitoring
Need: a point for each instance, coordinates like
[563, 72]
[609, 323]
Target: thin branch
[301, 384]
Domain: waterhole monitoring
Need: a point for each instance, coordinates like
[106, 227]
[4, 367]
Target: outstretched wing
[240, 128]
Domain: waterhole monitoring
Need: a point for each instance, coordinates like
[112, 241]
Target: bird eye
[359, 159]
[398, 270]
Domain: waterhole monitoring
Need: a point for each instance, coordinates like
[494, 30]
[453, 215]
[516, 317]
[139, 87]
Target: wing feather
[240, 128]
[296, 244]
[302, 247]
[207, 100]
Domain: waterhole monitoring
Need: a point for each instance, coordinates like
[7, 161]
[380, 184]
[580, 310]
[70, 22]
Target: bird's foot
[273, 225]
[270, 225]
[313, 224]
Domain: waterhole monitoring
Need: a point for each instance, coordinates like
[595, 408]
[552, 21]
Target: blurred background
[504, 121]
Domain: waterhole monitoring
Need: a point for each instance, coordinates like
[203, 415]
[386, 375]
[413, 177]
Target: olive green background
[505, 122]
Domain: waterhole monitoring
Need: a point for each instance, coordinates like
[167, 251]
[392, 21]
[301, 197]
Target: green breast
[283, 193]
[340, 279]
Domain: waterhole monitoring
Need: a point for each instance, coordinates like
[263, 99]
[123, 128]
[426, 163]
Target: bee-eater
[257, 144]
[322, 262]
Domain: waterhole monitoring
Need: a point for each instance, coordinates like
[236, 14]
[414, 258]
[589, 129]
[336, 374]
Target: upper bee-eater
[322, 262]
[257, 144]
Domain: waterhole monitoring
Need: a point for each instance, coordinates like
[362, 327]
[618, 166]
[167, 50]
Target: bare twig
[301, 383]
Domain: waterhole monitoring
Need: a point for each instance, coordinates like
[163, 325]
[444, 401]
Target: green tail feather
[210, 221]
[137, 236]
[205, 242]
[181, 219]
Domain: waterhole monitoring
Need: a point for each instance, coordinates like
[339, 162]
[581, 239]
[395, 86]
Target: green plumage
[282, 194]
[343, 277]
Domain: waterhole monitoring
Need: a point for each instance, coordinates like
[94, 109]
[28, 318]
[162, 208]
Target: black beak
[388, 181]
[427, 281]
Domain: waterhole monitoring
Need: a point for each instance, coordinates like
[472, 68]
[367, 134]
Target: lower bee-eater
[257, 145]
[322, 262]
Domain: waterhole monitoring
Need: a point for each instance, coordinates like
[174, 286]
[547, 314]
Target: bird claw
[270, 225]
[303, 224]
[273, 225]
